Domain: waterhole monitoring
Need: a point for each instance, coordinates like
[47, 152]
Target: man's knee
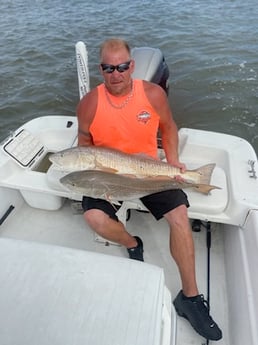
[95, 218]
[178, 215]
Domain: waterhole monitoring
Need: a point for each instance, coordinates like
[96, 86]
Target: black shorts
[158, 204]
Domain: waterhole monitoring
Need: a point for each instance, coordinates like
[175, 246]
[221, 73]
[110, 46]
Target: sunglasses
[122, 67]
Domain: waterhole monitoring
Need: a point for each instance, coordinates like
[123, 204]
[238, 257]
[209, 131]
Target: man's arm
[85, 113]
[168, 127]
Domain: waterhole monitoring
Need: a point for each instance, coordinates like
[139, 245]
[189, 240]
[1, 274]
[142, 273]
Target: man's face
[117, 83]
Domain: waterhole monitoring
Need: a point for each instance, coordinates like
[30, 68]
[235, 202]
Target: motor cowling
[150, 65]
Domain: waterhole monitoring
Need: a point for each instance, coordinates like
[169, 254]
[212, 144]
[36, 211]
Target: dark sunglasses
[122, 67]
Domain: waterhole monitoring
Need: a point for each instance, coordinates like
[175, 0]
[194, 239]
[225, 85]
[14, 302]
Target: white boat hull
[35, 208]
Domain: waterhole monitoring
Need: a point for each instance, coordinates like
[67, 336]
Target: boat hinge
[252, 171]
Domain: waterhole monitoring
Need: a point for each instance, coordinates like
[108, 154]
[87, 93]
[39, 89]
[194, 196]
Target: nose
[115, 76]
[115, 72]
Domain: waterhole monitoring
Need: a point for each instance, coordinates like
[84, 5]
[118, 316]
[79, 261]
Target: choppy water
[211, 48]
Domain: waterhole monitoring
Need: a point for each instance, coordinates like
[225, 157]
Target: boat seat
[202, 206]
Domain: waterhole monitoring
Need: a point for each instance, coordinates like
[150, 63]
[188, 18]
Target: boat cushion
[56, 295]
[216, 201]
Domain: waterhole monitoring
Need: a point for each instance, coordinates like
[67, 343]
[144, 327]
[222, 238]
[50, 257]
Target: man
[126, 114]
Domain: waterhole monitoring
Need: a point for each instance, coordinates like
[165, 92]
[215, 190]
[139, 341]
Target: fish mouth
[54, 161]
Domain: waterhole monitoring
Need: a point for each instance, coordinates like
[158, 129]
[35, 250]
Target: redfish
[115, 187]
[114, 161]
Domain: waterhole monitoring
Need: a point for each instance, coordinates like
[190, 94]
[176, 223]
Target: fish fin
[204, 188]
[160, 178]
[146, 177]
[102, 167]
[205, 173]
[110, 170]
[151, 177]
[115, 205]
[129, 175]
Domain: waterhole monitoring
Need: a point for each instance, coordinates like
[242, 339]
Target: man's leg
[109, 228]
[101, 217]
[188, 303]
[182, 248]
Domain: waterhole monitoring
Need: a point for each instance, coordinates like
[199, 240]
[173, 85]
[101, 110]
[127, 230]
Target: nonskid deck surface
[66, 227]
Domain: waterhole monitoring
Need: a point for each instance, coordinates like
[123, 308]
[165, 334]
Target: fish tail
[205, 173]
[204, 188]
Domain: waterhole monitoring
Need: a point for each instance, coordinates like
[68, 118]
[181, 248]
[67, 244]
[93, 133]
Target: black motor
[151, 66]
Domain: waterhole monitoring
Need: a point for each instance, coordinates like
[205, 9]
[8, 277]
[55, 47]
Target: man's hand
[179, 165]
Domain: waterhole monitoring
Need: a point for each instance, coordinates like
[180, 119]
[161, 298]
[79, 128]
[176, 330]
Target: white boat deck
[66, 228]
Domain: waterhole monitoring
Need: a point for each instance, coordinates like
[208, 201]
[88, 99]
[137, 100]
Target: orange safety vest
[131, 128]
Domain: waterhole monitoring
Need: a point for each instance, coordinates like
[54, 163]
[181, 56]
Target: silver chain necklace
[124, 103]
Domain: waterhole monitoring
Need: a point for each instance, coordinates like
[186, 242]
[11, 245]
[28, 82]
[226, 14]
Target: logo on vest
[143, 117]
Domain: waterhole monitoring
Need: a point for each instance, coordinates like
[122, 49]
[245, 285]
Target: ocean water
[211, 48]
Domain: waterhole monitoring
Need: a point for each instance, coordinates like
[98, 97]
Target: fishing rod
[196, 227]
[6, 214]
[208, 244]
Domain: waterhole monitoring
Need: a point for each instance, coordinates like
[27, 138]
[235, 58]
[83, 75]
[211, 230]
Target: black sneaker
[136, 253]
[196, 311]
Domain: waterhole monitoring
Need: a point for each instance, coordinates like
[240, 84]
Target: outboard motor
[150, 65]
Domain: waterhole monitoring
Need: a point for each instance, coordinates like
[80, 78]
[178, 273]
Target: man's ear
[100, 69]
[132, 65]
